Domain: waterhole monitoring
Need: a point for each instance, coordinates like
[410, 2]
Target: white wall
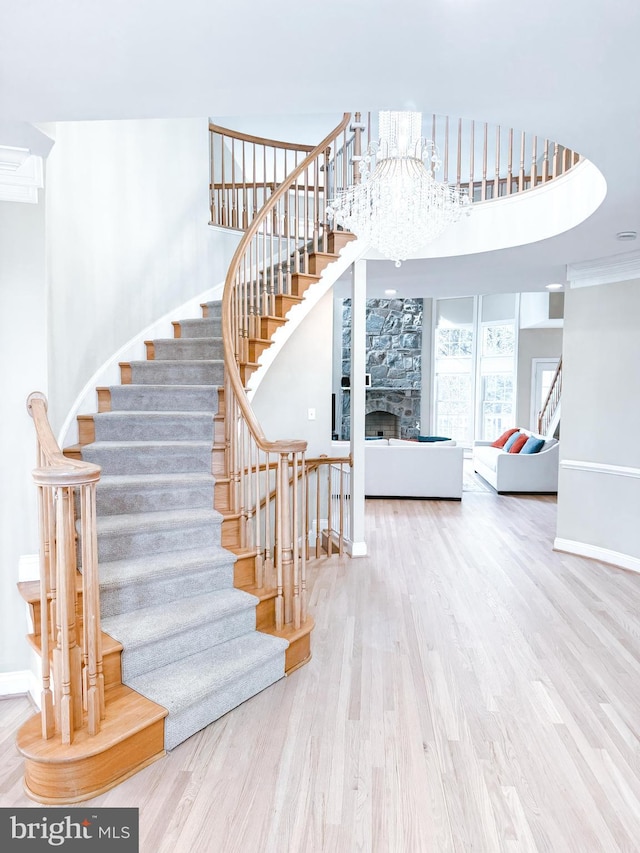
[127, 237]
[24, 369]
[599, 487]
[299, 380]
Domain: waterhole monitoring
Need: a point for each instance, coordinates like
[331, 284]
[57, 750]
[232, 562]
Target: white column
[358, 399]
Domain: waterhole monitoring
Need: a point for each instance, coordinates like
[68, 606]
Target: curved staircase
[185, 636]
[196, 614]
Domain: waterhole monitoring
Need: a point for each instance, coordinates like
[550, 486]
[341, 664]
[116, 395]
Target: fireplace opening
[379, 424]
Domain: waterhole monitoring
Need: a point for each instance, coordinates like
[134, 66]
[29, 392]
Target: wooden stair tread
[127, 712]
[262, 592]
[292, 634]
[30, 590]
[109, 644]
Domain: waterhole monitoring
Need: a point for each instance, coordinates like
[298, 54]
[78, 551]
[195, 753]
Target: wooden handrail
[287, 446]
[269, 491]
[259, 140]
[74, 644]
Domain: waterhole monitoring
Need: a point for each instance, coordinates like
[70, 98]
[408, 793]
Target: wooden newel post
[76, 660]
[281, 501]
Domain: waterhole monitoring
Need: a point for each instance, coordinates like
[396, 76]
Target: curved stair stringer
[348, 255]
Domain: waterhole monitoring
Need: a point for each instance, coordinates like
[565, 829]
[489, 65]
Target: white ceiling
[568, 70]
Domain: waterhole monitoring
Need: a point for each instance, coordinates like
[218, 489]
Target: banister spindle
[483, 190]
[496, 180]
[522, 157]
[46, 705]
[318, 511]
[471, 162]
[534, 161]
[295, 554]
[459, 157]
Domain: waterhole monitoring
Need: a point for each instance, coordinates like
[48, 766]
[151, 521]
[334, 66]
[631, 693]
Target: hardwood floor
[470, 690]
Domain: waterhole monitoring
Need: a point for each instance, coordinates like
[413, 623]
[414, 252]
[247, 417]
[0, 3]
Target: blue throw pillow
[511, 441]
[433, 438]
[533, 445]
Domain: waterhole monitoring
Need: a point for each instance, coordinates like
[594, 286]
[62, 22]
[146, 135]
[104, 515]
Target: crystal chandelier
[398, 206]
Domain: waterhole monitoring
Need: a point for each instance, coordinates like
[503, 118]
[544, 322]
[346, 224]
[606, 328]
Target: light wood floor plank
[470, 690]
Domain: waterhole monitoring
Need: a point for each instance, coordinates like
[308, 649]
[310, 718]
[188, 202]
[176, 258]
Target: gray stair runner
[189, 638]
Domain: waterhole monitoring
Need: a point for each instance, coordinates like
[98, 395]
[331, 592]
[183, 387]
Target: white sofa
[411, 469]
[535, 473]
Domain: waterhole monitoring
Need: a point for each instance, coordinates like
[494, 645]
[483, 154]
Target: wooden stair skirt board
[131, 738]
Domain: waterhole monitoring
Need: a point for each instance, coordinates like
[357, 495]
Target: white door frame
[548, 363]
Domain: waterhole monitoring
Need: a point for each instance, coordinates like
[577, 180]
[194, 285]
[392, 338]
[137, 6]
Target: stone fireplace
[381, 424]
[394, 362]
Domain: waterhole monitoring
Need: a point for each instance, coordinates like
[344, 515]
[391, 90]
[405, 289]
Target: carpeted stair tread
[122, 524]
[214, 309]
[207, 327]
[140, 627]
[206, 685]
[153, 636]
[168, 398]
[133, 584]
[180, 371]
[149, 426]
[208, 671]
[178, 563]
[187, 348]
[149, 457]
[124, 494]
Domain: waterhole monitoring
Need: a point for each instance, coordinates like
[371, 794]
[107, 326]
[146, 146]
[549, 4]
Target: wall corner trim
[595, 552]
[356, 549]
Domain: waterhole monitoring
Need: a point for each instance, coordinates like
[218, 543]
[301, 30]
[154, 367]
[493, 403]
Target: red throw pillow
[518, 444]
[500, 442]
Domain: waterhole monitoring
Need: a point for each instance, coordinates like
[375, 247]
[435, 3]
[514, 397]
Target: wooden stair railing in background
[550, 405]
[245, 170]
[489, 161]
[332, 502]
[492, 161]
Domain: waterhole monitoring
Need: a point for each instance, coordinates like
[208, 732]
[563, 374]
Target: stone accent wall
[394, 360]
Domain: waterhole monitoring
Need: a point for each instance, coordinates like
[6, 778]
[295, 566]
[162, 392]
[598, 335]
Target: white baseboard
[594, 552]
[19, 683]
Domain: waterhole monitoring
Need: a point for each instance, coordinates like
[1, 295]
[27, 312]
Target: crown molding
[20, 179]
[604, 270]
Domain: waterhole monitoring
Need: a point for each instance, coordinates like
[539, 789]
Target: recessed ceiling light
[390, 292]
[554, 286]
[626, 235]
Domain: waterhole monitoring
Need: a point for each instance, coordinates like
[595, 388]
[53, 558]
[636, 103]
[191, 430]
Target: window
[475, 344]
